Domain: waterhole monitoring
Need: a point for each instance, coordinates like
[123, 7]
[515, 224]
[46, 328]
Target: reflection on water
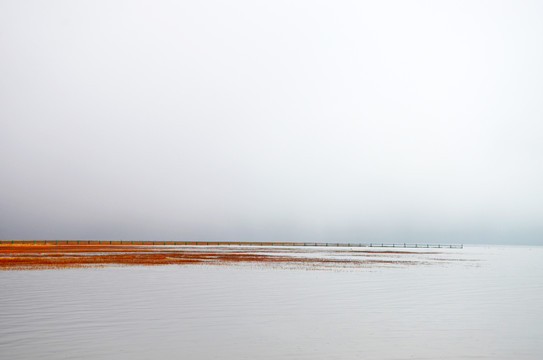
[491, 308]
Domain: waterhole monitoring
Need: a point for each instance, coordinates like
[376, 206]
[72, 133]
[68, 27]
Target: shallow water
[487, 306]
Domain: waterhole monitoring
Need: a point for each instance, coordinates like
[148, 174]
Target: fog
[388, 121]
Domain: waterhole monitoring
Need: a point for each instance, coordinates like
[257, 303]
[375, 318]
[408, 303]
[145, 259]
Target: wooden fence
[227, 243]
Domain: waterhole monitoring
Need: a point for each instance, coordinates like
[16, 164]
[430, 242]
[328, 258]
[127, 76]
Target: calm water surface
[487, 306]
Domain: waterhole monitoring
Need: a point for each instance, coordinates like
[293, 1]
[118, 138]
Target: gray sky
[281, 120]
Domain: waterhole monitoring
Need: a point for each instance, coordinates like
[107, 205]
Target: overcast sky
[417, 121]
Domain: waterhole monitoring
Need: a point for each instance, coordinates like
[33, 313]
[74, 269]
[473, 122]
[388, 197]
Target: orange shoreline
[61, 256]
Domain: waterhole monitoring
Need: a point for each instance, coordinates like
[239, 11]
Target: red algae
[28, 256]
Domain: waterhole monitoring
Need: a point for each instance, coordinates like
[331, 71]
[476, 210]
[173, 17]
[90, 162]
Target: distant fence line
[229, 243]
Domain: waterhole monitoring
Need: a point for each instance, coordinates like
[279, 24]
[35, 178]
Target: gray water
[489, 305]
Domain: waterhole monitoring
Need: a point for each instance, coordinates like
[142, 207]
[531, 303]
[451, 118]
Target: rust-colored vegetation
[27, 256]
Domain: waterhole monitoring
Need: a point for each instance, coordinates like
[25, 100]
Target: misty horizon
[309, 121]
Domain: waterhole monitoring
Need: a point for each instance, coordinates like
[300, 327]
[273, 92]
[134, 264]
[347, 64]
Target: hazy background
[418, 121]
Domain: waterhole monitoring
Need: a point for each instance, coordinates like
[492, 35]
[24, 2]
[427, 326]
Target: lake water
[486, 303]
